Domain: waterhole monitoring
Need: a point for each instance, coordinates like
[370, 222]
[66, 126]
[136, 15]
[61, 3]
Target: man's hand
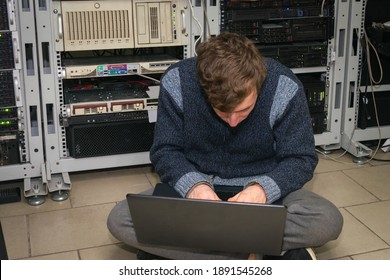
[202, 191]
[252, 194]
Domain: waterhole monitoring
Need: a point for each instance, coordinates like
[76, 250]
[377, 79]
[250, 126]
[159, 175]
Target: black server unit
[109, 116]
[377, 27]
[315, 92]
[367, 112]
[294, 32]
[9, 121]
[109, 134]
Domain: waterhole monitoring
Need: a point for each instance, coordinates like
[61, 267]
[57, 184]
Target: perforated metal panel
[110, 138]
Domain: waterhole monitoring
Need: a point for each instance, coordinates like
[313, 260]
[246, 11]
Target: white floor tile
[375, 216]
[76, 228]
[355, 238]
[339, 189]
[70, 229]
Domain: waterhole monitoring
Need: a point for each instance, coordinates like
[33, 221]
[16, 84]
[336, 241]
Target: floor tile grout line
[333, 171]
[366, 226]
[370, 192]
[365, 203]
[370, 252]
[29, 235]
[68, 251]
[350, 166]
[58, 210]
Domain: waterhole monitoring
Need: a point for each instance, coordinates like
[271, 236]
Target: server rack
[43, 74]
[309, 37]
[359, 120]
[69, 130]
[20, 102]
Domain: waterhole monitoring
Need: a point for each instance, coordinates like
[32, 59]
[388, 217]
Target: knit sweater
[273, 146]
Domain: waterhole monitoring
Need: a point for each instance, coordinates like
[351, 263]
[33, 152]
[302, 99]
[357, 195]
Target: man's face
[240, 112]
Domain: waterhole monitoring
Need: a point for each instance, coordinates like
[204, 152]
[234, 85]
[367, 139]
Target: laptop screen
[208, 225]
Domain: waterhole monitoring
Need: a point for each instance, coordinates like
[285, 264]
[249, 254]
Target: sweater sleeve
[167, 151]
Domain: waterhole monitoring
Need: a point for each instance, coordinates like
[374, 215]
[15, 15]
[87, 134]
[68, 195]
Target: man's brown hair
[229, 67]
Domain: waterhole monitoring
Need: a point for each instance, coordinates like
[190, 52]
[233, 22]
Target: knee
[118, 218]
[111, 219]
[313, 219]
[330, 222]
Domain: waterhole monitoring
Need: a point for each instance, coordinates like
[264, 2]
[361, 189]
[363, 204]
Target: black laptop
[166, 219]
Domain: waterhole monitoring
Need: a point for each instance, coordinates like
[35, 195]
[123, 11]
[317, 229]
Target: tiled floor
[76, 228]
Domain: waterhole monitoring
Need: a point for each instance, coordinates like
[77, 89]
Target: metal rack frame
[336, 71]
[32, 169]
[352, 136]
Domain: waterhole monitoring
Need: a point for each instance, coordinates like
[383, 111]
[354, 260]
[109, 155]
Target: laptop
[166, 219]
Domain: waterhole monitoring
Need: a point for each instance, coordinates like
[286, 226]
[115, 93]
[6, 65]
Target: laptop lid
[209, 225]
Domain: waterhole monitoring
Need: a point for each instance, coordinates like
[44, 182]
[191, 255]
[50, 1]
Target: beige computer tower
[159, 23]
[97, 25]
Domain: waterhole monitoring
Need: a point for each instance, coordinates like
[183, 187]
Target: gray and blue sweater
[273, 146]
